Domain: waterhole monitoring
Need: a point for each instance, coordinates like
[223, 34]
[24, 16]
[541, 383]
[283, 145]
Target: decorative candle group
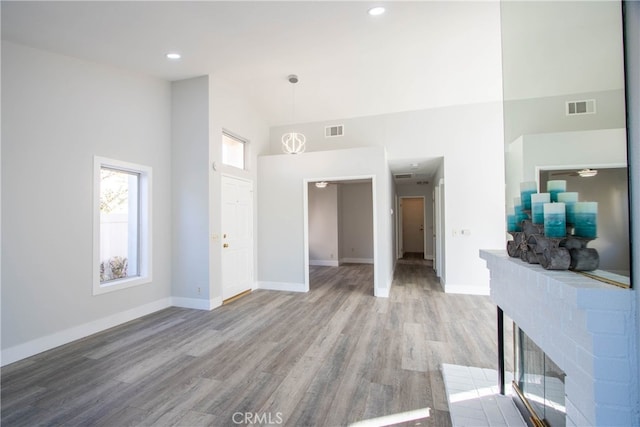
[556, 209]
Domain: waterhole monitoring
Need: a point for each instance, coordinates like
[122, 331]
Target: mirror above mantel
[564, 111]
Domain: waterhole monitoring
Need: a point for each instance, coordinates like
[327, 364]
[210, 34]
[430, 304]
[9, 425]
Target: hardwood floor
[330, 357]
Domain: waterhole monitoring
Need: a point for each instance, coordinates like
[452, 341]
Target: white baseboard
[381, 292]
[283, 286]
[30, 348]
[466, 289]
[324, 262]
[357, 260]
[429, 257]
[197, 303]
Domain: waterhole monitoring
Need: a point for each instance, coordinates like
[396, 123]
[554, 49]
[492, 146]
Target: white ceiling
[419, 54]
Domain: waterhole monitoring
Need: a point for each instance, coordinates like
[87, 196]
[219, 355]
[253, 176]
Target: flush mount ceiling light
[375, 11]
[322, 184]
[586, 173]
[173, 55]
[293, 142]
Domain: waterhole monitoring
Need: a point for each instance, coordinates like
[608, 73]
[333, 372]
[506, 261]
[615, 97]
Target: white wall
[202, 108]
[548, 114]
[356, 216]
[281, 198]
[230, 110]
[470, 139]
[323, 225]
[58, 112]
[593, 148]
[190, 191]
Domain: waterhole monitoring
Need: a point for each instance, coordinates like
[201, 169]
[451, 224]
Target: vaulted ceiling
[417, 55]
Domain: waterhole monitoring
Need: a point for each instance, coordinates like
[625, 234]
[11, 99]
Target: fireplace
[584, 326]
[538, 383]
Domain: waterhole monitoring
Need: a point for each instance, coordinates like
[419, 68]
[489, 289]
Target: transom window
[233, 150]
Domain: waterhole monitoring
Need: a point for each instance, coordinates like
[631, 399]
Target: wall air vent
[587, 106]
[333, 131]
[403, 175]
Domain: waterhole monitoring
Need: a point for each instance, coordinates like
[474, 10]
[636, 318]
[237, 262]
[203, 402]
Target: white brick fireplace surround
[585, 326]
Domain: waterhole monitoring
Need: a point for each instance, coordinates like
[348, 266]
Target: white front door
[237, 236]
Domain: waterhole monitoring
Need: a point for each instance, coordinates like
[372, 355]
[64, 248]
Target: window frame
[144, 225]
[245, 147]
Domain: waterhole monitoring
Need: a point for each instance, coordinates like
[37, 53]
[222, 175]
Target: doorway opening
[340, 232]
[412, 230]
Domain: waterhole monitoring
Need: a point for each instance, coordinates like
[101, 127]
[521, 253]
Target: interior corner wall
[281, 219]
[58, 113]
[190, 191]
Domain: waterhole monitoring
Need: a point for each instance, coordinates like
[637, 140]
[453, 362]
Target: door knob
[226, 245]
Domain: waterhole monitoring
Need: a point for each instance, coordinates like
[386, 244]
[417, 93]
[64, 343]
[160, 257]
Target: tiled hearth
[583, 325]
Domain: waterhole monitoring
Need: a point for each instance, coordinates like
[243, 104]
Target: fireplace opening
[538, 384]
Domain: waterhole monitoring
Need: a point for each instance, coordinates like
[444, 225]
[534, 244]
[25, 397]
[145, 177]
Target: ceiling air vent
[333, 131]
[403, 175]
[587, 106]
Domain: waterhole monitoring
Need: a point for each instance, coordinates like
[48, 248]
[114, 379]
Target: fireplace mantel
[585, 327]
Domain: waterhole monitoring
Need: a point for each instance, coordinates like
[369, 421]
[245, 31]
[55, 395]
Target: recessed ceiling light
[173, 55]
[375, 11]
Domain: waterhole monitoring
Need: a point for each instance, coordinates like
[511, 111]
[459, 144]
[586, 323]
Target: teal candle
[537, 204]
[569, 199]
[556, 186]
[512, 223]
[526, 190]
[586, 219]
[519, 213]
[555, 225]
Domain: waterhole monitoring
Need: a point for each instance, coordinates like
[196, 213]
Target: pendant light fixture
[293, 142]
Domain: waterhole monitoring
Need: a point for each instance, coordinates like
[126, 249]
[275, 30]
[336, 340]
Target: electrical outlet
[198, 291]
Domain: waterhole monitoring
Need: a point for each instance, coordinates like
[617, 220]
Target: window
[122, 225]
[233, 150]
